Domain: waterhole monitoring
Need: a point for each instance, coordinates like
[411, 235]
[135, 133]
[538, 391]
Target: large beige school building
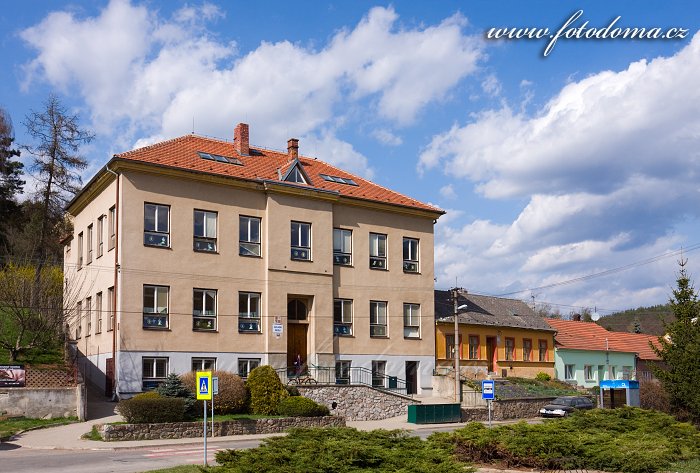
[202, 253]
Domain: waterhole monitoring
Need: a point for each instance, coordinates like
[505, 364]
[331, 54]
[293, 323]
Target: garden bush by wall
[178, 430]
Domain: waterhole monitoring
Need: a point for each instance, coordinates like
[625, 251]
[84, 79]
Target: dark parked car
[565, 405]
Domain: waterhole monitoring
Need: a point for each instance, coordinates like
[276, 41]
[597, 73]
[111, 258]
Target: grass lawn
[35, 357]
[10, 427]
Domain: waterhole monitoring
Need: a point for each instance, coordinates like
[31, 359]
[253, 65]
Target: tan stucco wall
[274, 274]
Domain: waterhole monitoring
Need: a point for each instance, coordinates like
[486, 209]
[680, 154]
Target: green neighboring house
[586, 353]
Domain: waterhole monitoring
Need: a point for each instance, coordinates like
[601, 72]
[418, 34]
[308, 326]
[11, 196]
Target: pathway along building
[198, 253]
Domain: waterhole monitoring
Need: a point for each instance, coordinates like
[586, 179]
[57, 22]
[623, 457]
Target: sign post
[204, 393]
[214, 392]
[488, 393]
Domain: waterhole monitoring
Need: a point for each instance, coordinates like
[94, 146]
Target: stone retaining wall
[44, 403]
[357, 402]
[505, 409]
[178, 430]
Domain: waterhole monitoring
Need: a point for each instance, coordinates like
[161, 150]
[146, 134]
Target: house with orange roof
[199, 253]
[586, 353]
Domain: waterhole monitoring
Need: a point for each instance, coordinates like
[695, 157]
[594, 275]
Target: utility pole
[455, 294]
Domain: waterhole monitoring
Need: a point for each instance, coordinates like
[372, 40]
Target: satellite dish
[595, 316]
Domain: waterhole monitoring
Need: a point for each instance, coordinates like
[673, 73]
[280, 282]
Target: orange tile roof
[577, 335]
[263, 165]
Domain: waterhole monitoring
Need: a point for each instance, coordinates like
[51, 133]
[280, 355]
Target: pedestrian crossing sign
[204, 385]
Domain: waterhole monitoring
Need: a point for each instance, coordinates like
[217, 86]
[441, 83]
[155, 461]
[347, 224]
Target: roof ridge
[153, 145]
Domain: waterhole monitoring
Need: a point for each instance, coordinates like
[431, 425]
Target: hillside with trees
[649, 320]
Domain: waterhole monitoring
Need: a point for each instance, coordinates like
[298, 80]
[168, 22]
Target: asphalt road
[24, 460]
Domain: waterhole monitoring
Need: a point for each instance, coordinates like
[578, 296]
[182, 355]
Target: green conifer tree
[680, 349]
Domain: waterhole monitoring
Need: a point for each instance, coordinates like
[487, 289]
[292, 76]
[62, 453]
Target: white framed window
[88, 316]
[342, 246]
[204, 309]
[377, 251]
[249, 312]
[112, 226]
[411, 320]
[80, 250]
[377, 319]
[301, 241]
[613, 372]
[588, 373]
[89, 244]
[246, 365]
[378, 374]
[110, 308]
[205, 231]
[569, 372]
[249, 236]
[155, 306]
[156, 225]
[450, 346]
[410, 255]
[79, 322]
[154, 372]
[342, 372]
[100, 235]
[203, 364]
[98, 312]
[342, 316]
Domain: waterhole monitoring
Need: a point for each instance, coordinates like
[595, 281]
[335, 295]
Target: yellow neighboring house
[497, 337]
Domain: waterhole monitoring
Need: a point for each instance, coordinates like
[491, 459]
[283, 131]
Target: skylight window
[339, 180]
[220, 159]
[295, 175]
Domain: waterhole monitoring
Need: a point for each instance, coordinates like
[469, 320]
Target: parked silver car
[565, 405]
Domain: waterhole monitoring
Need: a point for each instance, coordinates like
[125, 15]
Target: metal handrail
[355, 375]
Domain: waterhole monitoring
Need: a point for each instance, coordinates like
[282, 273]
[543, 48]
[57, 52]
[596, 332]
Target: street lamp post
[455, 294]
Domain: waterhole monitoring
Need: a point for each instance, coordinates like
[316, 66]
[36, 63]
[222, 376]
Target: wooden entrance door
[109, 377]
[296, 344]
[491, 346]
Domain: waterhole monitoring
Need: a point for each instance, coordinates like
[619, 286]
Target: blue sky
[551, 168]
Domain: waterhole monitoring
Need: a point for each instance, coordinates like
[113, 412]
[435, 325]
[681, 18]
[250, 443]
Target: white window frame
[411, 320]
[248, 245]
[588, 373]
[379, 373]
[378, 252]
[204, 320]
[249, 321]
[110, 302]
[112, 227]
[200, 364]
[98, 312]
[207, 241]
[377, 328]
[569, 372]
[342, 247]
[152, 318]
[156, 235]
[300, 252]
[80, 250]
[342, 319]
[249, 363]
[411, 255]
[153, 362]
[79, 318]
[88, 311]
[100, 235]
[89, 244]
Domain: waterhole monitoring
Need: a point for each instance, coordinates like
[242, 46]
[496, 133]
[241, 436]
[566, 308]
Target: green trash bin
[434, 413]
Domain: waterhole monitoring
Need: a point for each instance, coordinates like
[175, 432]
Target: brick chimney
[293, 149]
[241, 139]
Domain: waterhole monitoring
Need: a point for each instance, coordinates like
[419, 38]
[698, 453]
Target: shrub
[299, 406]
[292, 390]
[151, 408]
[266, 390]
[652, 395]
[174, 387]
[543, 376]
[339, 450]
[232, 397]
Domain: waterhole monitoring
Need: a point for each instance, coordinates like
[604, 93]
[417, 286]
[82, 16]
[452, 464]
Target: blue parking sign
[487, 389]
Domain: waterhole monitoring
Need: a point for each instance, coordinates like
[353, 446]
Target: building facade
[497, 337]
[197, 253]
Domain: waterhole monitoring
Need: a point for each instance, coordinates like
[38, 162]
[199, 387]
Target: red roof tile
[262, 164]
[590, 336]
